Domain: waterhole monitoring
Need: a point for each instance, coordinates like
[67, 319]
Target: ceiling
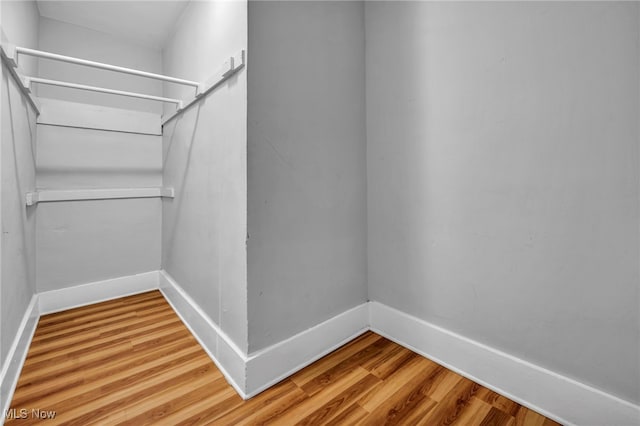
[149, 23]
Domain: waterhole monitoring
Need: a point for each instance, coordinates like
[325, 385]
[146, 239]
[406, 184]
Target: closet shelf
[53, 195]
[10, 54]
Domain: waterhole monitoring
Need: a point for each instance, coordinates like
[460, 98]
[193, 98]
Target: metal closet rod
[78, 61]
[29, 80]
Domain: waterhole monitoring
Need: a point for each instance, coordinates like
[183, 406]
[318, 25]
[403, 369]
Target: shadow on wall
[180, 184]
[179, 194]
[20, 186]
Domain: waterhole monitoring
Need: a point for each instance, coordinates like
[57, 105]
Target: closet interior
[291, 175]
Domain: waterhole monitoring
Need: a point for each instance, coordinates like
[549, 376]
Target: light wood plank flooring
[131, 361]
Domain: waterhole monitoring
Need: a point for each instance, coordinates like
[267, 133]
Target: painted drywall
[71, 40]
[145, 22]
[71, 157]
[306, 176]
[85, 241]
[17, 170]
[204, 159]
[502, 160]
[20, 20]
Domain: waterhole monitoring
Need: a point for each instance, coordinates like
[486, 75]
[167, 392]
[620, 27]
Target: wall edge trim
[17, 355]
[221, 349]
[97, 291]
[532, 386]
[528, 384]
[274, 363]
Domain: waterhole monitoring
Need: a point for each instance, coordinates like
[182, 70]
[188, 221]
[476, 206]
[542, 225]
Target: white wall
[204, 227]
[503, 177]
[20, 21]
[17, 169]
[86, 241]
[307, 176]
[70, 157]
[72, 40]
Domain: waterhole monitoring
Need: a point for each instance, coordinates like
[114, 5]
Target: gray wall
[67, 39]
[503, 177]
[307, 176]
[17, 170]
[204, 227]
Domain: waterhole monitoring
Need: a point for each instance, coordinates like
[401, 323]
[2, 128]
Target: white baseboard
[551, 394]
[251, 374]
[225, 354]
[17, 355]
[95, 292]
[268, 366]
[59, 300]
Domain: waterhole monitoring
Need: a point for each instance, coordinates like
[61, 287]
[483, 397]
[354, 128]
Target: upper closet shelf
[10, 56]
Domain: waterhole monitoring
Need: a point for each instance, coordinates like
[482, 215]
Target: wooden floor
[131, 361]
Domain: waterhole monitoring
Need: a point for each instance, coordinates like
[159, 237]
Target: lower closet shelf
[96, 194]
